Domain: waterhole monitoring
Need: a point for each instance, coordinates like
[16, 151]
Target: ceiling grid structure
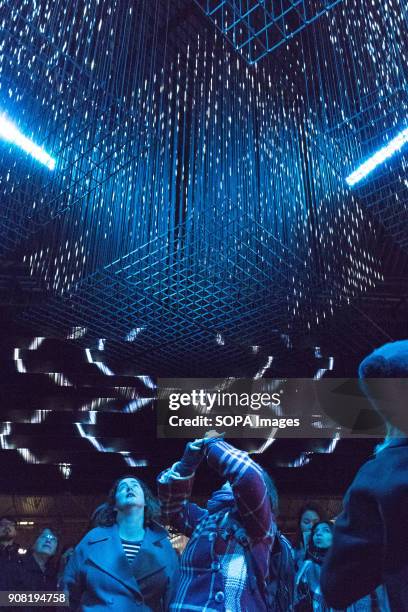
[198, 219]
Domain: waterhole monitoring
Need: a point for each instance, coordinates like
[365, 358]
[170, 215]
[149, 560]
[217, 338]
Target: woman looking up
[126, 561]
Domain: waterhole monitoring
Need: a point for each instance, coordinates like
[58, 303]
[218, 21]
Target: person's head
[127, 493]
[388, 396]
[46, 543]
[8, 530]
[321, 537]
[309, 517]
[309, 514]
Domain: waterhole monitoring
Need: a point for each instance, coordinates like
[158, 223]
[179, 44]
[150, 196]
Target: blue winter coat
[99, 577]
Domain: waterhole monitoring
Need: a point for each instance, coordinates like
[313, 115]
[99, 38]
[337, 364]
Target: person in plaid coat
[215, 575]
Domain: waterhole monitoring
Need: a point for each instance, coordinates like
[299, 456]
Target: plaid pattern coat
[214, 573]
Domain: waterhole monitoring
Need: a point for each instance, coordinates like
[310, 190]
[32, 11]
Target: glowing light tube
[378, 158]
[10, 133]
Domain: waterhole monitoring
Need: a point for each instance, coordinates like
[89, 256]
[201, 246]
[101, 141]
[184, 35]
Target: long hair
[105, 514]
[299, 543]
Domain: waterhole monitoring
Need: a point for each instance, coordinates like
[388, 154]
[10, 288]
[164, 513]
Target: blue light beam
[10, 133]
[378, 158]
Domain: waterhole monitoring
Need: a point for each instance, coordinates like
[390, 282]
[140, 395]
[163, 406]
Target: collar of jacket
[30, 564]
[106, 552]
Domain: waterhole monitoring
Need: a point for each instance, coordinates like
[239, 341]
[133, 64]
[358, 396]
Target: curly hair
[105, 514]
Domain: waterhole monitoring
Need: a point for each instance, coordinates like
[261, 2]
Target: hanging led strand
[196, 169]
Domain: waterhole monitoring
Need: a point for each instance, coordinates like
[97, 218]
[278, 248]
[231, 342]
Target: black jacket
[32, 578]
[10, 562]
[24, 574]
[370, 545]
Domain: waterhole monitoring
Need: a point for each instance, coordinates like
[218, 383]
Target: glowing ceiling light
[137, 404]
[77, 332]
[132, 335]
[378, 158]
[36, 343]
[65, 469]
[19, 362]
[28, 456]
[10, 133]
[147, 381]
[219, 340]
[91, 439]
[262, 371]
[134, 462]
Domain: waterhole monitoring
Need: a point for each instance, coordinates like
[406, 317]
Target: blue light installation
[10, 133]
[256, 28]
[378, 158]
[190, 182]
[357, 83]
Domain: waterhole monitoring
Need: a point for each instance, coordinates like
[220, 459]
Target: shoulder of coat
[99, 534]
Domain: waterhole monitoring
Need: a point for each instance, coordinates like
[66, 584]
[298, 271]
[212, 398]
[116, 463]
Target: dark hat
[388, 361]
[384, 380]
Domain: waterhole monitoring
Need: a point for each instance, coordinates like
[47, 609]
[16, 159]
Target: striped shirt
[131, 549]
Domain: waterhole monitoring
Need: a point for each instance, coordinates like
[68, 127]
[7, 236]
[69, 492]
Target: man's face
[46, 543]
[7, 530]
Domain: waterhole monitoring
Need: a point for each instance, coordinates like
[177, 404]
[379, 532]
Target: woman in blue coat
[127, 562]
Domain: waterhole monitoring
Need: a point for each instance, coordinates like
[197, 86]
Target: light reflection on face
[129, 493]
[323, 536]
[46, 543]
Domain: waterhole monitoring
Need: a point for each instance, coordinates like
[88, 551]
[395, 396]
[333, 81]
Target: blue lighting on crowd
[10, 133]
[378, 158]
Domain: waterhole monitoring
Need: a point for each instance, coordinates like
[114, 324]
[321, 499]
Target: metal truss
[218, 294]
[256, 28]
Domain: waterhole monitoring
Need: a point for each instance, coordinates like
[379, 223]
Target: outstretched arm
[174, 490]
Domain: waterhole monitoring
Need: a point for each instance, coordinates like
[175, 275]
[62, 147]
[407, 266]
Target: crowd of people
[236, 558]
[28, 572]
